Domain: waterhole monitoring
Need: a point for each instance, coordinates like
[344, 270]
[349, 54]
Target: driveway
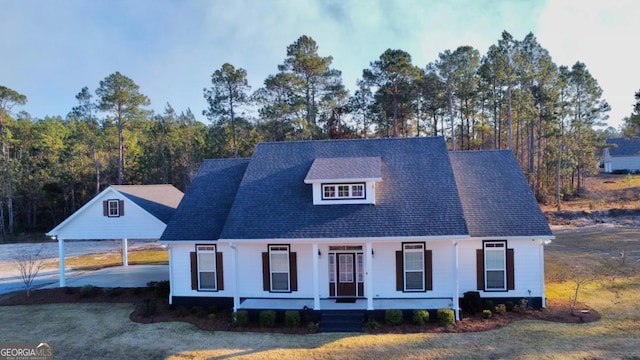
[117, 276]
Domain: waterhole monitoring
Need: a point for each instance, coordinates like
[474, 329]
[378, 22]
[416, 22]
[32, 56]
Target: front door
[346, 274]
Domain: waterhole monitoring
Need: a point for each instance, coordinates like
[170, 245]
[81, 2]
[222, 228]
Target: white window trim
[207, 250]
[117, 207]
[337, 196]
[413, 248]
[279, 249]
[495, 246]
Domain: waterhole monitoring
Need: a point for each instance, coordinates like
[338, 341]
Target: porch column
[236, 276]
[316, 272]
[544, 296]
[171, 283]
[125, 255]
[368, 277]
[61, 261]
[456, 290]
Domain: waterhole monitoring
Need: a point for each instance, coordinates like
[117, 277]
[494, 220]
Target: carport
[120, 212]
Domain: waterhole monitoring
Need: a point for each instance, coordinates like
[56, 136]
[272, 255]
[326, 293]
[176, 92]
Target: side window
[413, 267]
[495, 262]
[206, 267]
[113, 208]
[279, 267]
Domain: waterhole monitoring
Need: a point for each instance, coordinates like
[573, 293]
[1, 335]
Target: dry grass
[99, 261]
[98, 331]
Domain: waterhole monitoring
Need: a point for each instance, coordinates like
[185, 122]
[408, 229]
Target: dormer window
[343, 191]
[349, 180]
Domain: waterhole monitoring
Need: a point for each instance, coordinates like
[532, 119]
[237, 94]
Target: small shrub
[212, 309]
[112, 292]
[420, 317]
[182, 311]
[241, 318]
[471, 302]
[501, 309]
[313, 327]
[509, 305]
[486, 314]
[393, 317]
[522, 306]
[87, 290]
[446, 317]
[488, 305]
[69, 291]
[149, 308]
[161, 288]
[373, 325]
[292, 318]
[267, 318]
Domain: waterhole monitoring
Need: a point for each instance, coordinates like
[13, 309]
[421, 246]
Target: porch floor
[359, 304]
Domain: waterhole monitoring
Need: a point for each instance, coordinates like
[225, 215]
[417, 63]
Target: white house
[621, 155]
[119, 212]
[357, 224]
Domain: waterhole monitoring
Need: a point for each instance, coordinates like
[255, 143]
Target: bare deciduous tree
[29, 263]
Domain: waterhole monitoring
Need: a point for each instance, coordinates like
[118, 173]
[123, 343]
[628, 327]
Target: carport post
[125, 257]
[61, 261]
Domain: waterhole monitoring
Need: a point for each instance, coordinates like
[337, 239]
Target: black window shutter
[428, 270]
[511, 282]
[399, 271]
[219, 274]
[105, 208]
[266, 283]
[293, 271]
[121, 208]
[480, 268]
[194, 270]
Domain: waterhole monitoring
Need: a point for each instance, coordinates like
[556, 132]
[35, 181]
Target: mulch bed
[152, 307]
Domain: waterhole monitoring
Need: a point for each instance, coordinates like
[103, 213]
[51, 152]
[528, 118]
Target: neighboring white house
[357, 224]
[622, 155]
[119, 212]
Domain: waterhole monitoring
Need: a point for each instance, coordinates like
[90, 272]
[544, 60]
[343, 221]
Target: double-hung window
[113, 208]
[413, 260]
[495, 265]
[279, 267]
[206, 267]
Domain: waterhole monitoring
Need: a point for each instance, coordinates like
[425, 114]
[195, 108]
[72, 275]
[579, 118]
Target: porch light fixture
[319, 254]
[372, 253]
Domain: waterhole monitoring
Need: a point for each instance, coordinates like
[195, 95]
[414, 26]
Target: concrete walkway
[117, 276]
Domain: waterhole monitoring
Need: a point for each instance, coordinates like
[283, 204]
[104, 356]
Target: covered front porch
[337, 304]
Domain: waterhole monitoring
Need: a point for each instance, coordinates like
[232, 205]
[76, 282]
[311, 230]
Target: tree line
[512, 97]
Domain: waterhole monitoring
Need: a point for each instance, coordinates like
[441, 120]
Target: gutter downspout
[455, 304]
[236, 284]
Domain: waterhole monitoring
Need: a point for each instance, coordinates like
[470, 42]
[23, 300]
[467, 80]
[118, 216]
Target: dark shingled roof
[495, 195]
[345, 168]
[624, 147]
[160, 201]
[416, 197]
[205, 206]
[265, 197]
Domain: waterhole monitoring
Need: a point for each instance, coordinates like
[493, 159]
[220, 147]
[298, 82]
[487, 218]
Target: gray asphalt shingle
[495, 195]
[344, 168]
[160, 201]
[266, 197]
[624, 147]
[206, 203]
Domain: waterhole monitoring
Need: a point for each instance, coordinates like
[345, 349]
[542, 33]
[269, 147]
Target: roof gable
[416, 197]
[160, 201]
[345, 169]
[496, 197]
[624, 147]
[206, 203]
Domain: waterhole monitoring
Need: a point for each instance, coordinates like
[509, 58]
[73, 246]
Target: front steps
[341, 321]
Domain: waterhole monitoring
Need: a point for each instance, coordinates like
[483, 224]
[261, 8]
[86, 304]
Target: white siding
[90, 223]
[631, 163]
[180, 263]
[527, 271]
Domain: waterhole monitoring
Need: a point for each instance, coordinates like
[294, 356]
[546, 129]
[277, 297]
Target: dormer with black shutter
[347, 180]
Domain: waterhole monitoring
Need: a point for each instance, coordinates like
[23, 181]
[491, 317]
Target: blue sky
[51, 49]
